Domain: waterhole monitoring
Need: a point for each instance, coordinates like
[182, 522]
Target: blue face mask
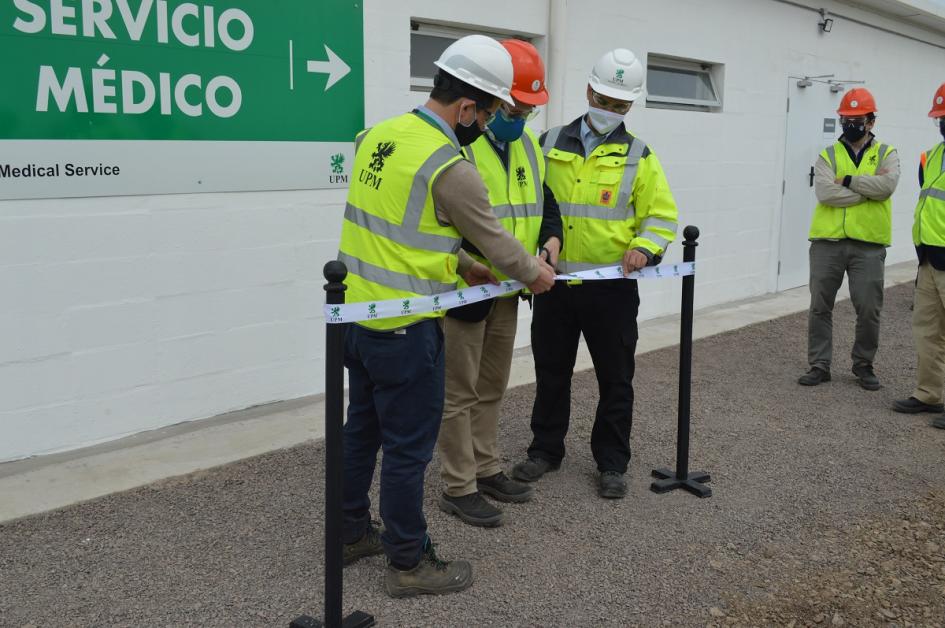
[506, 129]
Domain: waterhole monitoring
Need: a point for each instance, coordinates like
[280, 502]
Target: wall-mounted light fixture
[826, 23]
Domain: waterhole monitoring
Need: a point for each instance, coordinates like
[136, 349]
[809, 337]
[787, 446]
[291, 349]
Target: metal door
[812, 124]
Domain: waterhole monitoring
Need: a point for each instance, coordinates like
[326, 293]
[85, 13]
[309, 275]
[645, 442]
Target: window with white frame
[427, 43]
[673, 83]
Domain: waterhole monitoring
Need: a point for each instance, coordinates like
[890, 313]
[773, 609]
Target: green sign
[211, 70]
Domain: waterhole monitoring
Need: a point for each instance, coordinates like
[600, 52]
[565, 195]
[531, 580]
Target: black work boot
[914, 406]
[532, 469]
[500, 487]
[367, 545]
[938, 422]
[473, 509]
[612, 485]
[866, 377]
[814, 376]
[431, 576]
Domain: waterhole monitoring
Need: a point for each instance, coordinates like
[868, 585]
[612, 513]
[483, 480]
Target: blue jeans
[395, 402]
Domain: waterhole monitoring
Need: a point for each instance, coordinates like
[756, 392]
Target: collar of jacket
[616, 143]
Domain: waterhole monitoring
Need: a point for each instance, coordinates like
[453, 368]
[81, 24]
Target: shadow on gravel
[803, 479]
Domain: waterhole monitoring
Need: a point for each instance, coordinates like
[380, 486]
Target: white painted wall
[131, 313]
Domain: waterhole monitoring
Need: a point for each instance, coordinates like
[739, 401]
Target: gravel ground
[828, 510]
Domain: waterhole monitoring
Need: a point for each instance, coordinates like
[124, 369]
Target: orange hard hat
[528, 72]
[938, 102]
[857, 102]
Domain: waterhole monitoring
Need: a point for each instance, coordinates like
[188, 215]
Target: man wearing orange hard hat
[480, 337]
[851, 228]
[928, 315]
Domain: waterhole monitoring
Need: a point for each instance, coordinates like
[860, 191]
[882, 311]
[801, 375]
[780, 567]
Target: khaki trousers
[478, 360]
[928, 330]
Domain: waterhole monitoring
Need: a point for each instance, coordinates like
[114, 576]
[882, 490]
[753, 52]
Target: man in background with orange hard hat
[851, 228]
[928, 315]
[480, 337]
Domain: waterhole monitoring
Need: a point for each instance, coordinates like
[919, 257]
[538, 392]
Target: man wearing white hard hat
[617, 209]
[412, 201]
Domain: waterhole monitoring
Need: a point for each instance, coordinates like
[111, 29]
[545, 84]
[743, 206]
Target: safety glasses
[860, 121]
[511, 114]
[617, 106]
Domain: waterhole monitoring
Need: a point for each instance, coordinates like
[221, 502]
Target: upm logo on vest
[376, 165]
[520, 176]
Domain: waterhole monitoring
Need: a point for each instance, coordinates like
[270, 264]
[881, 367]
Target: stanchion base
[357, 619]
[694, 482]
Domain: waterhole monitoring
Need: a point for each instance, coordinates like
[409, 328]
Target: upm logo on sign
[104, 89]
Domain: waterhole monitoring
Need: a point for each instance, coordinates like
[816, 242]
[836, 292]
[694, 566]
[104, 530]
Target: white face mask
[604, 121]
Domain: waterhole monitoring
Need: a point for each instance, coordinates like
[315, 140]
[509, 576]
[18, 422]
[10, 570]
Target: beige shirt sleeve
[465, 262]
[881, 185]
[828, 191]
[461, 200]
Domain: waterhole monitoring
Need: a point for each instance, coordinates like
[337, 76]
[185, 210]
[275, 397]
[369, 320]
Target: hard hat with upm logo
[938, 103]
[528, 81]
[857, 102]
[618, 74]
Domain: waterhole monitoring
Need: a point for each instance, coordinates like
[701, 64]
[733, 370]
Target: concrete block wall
[126, 314]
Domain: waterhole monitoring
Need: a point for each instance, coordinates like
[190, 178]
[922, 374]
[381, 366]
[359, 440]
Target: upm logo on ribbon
[353, 312]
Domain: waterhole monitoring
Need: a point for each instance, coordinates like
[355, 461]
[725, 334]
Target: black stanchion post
[335, 273]
[693, 482]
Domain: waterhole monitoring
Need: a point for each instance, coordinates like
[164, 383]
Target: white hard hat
[618, 74]
[482, 62]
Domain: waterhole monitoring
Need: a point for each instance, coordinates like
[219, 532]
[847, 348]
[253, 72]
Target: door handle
[811, 175]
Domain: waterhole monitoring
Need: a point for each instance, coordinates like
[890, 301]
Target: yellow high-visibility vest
[869, 221]
[515, 193]
[929, 224]
[391, 241]
[614, 200]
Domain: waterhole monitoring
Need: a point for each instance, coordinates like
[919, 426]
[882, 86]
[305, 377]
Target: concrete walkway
[45, 483]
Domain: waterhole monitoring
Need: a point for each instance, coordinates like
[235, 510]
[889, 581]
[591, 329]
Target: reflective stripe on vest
[623, 209]
[391, 241]
[929, 223]
[392, 278]
[519, 210]
[867, 221]
[595, 195]
[551, 138]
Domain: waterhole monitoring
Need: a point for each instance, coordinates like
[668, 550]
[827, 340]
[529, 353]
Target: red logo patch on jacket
[604, 197]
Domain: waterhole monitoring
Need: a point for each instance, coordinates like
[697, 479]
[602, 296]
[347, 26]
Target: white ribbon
[352, 312]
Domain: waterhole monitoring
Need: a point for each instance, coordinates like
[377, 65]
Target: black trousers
[606, 313]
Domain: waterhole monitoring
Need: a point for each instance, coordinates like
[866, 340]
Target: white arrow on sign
[335, 68]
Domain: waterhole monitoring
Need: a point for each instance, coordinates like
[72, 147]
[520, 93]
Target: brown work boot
[367, 545]
[431, 576]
